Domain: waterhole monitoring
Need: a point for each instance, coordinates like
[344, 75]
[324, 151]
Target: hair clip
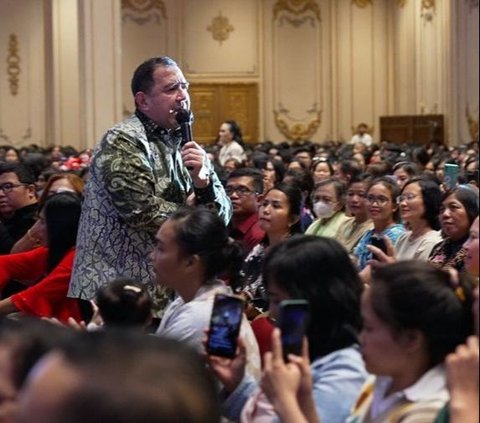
[460, 293]
[135, 289]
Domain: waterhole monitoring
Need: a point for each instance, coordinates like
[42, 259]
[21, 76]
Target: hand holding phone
[379, 243]
[293, 321]
[225, 322]
[450, 175]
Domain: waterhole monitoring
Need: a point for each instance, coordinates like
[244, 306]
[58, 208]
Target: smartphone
[451, 172]
[225, 322]
[292, 321]
[379, 243]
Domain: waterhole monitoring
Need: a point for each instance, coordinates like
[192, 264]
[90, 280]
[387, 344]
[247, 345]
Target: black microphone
[184, 118]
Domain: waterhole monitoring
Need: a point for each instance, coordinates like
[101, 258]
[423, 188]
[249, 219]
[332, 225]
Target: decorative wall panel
[22, 76]
[297, 61]
[236, 54]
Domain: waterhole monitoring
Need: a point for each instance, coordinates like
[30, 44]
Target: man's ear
[31, 190]
[260, 198]
[413, 340]
[141, 101]
[192, 261]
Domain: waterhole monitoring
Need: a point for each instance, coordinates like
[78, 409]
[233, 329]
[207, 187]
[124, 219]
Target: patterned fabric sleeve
[134, 187]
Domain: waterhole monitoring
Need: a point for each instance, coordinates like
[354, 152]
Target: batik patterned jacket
[136, 179]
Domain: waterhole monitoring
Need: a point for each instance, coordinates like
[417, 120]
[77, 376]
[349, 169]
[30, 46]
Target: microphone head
[184, 116]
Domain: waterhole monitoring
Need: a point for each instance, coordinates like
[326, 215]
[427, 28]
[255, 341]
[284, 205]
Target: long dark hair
[62, 214]
[319, 270]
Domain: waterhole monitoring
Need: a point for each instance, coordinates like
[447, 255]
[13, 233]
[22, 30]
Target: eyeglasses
[241, 191]
[406, 197]
[9, 187]
[381, 201]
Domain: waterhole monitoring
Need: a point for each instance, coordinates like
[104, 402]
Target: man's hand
[195, 159]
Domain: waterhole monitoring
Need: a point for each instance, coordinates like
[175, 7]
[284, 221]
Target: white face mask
[323, 210]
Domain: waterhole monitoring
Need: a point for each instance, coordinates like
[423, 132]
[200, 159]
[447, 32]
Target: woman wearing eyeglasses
[383, 210]
[419, 204]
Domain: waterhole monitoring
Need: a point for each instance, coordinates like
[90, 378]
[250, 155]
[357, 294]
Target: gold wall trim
[401, 3]
[143, 11]
[472, 124]
[362, 3]
[220, 28]
[296, 7]
[13, 64]
[297, 131]
[428, 9]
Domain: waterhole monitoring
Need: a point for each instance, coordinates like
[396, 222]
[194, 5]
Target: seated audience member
[458, 211]
[192, 249]
[46, 269]
[12, 155]
[244, 187]
[273, 170]
[279, 216]
[303, 155]
[22, 343]
[403, 172]
[59, 182]
[321, 169]
[18, 204]
[350, 231]
[303, 180]
[382, 209]
[361, 135]
[328, 198]
[122, 303]
[414, 316]
[231, 165]
[318, 270]
[230, 139]
[121, 377]
[419, 203]
[463, 365]
[348, 170]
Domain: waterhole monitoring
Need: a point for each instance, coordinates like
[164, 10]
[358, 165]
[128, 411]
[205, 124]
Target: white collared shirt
[432, 385]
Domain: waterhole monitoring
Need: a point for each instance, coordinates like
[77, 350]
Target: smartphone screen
[379, 243]
[450, 175]
[293, 320]
[225, 325]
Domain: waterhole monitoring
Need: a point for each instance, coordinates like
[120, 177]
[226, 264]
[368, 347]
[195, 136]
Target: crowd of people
[111, 259]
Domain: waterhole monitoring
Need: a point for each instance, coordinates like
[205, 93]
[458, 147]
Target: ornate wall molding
[362, 3]
[220, 28]
[13, 64]
[143, 11]
[401, 3]
[472, 124]
[428, 9]
[296, 8]
[299, 131]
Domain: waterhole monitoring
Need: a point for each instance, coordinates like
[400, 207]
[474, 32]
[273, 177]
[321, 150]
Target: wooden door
[213, 104]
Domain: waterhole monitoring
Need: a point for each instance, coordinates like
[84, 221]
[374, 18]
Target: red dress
[48, 297]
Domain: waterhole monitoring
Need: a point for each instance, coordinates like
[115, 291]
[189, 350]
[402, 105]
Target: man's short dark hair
[24, 174]
[127, 377]
[142, 79]
[249, 172]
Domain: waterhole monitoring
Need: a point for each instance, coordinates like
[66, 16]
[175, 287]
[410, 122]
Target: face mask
[323, 210]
